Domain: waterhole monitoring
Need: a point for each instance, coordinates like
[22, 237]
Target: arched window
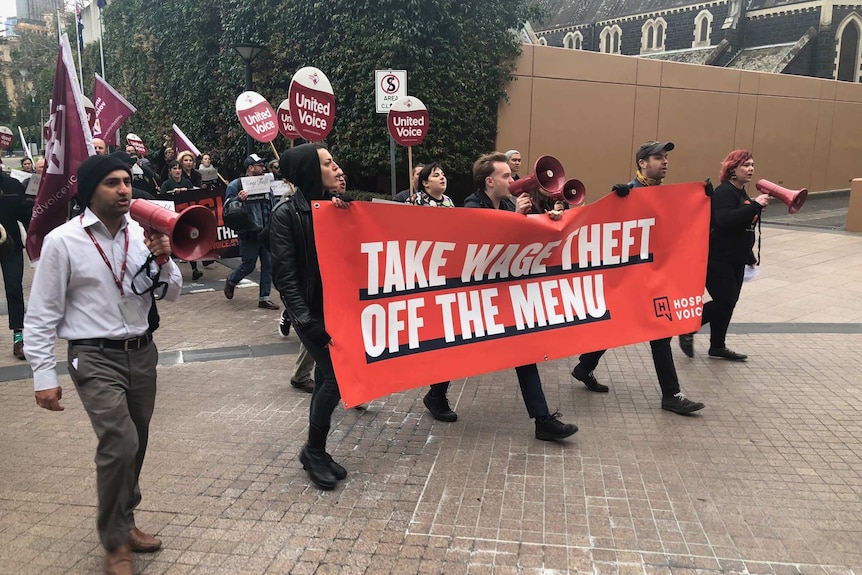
[543, 41]
[605, 40]
[617, 38]
[702, 29]
[652, 35]
[573, 41]
[847, 58]
[610, 39]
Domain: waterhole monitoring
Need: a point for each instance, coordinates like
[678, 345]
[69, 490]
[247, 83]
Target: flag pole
[101, 42]
[78, 25]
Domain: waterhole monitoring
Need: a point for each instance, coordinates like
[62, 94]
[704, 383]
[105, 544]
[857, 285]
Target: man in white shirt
[90, 288]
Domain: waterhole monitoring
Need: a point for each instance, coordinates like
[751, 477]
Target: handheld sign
[46, 130]
[312, 103]
[138, 144]
[6, 137]
[256, 116]
[408, 121]
[285, 122]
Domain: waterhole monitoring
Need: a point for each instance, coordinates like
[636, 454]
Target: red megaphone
[793, 199]
[191, 232]
[548, 174]
[574, 193]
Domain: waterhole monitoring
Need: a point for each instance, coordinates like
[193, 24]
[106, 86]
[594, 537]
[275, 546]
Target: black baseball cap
[652, 147]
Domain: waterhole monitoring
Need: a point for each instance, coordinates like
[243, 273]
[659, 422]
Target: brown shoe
[119, 561]
[267, 304]
[18, 349]
[228, 289]
[140, 542]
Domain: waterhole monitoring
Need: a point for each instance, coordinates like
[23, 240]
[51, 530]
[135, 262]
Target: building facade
[819, 38]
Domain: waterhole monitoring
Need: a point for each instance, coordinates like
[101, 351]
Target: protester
[404, 195]
[100, 146]
[13, 209]
[651, 160]
[85, 290]
[175, 181]
[164, 157]
[27, 166]
[513, 158]
[296, 272]
[208, 172]
[250, 245]
[187, 162]
[731, 239]
[492, 177]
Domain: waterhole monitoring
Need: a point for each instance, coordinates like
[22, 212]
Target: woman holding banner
[733, 221]
[296, 274]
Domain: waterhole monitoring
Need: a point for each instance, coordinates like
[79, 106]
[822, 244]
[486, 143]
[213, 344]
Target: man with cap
[513, 158]
[250, 245]
[651, 161]
[95, 286]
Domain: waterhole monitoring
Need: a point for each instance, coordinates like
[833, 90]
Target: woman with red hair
[731, 239]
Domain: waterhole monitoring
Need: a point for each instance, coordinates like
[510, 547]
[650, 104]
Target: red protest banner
[415, 296]
[69, 144]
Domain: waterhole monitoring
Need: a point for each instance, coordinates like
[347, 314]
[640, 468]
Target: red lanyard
[119, 281]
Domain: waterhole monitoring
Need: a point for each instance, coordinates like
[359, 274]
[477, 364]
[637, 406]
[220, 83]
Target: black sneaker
[284, 325]
[197, 274]
[439, 408]
[686, 344]
[724, 353]
[550, 428]
[588, 379]
[267, 304]
[680, 404]
[307, 386]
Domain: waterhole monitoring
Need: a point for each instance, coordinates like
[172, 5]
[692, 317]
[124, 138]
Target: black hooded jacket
[295, 269]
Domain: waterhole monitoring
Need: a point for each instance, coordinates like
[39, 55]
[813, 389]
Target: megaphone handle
[162, 259]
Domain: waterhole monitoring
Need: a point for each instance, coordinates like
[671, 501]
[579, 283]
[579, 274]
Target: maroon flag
[70, 142]
[111, 110]
[182, 143]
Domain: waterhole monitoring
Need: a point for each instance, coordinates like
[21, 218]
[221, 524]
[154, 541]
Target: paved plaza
[767, 479]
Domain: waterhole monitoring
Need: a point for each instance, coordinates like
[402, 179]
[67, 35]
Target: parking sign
[389, 85]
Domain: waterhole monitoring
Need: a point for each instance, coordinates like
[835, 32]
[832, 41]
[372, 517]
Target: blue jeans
[250, 248]
[13, 276]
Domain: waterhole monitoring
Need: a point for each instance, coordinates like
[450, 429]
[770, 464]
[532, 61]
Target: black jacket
[481, 200]
[732, 225]
[15, 206]
[295, 268]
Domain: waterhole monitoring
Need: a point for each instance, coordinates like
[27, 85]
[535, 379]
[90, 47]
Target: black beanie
[93, 170]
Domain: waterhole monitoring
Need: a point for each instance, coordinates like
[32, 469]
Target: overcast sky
[7, 8]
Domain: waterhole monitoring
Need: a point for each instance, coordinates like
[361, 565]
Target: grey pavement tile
[767, 480]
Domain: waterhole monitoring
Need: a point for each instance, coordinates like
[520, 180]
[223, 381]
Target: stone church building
[819, 38]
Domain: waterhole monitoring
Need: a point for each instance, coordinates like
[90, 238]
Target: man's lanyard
[119, 281]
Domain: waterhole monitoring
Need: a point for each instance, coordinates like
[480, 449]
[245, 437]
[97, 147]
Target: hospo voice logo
[678, 308]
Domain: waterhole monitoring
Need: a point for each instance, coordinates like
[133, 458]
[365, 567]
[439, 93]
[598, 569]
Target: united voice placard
[417, 295]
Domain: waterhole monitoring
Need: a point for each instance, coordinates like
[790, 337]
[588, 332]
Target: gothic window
[573, 41]
[702, 29]
[653, 35]
[848, 52]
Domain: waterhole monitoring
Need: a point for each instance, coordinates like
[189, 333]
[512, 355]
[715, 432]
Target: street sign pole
[389, 85]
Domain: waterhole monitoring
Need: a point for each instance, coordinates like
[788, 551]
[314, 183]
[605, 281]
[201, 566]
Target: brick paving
[766, 480]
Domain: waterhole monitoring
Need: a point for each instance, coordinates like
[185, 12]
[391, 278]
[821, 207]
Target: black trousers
[724, 283]
[531, 390]
[662, 358]
[326, 395]
[13, 276]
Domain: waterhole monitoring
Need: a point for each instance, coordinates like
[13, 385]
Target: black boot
[315, 460]
[316, 464]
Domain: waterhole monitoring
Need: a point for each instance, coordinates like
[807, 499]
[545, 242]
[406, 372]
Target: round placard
[256, 116]
[407, 120]
[311, 103]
